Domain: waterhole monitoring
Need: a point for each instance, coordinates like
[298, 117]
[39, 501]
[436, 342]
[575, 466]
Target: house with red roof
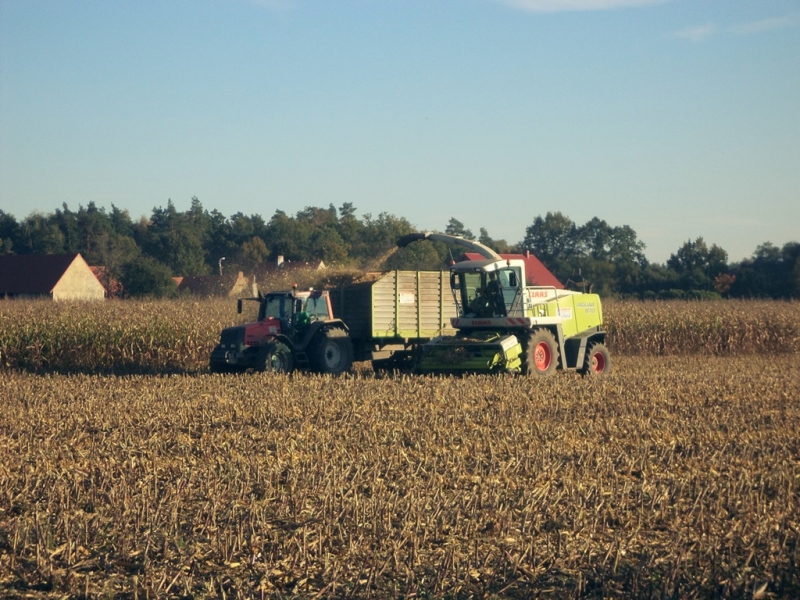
[535, 272]
[55, 276]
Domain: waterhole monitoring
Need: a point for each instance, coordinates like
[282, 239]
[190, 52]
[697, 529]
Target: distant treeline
[145, 254]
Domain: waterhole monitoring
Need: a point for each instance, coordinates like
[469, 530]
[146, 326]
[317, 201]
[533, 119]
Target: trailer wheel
[275, 357]
[332, 352]
[598, 361]
[542, 358]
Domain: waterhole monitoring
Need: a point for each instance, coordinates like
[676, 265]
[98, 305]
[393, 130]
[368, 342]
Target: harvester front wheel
[598, 361]
[275, 357]
[332, 352]
[542, 358]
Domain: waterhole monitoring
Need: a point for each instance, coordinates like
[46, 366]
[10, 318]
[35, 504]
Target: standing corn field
[159, 336]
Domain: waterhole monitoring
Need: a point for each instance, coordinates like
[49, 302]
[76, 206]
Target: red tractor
[295, 330]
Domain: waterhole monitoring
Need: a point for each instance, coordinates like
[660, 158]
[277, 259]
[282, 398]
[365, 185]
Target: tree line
[145, 254]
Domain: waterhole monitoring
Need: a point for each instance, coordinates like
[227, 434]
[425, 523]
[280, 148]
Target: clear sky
[680, 118]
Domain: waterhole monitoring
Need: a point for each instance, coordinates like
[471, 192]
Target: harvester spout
[484, 251]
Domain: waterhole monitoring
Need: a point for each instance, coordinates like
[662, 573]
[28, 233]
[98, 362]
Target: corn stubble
[672, 477]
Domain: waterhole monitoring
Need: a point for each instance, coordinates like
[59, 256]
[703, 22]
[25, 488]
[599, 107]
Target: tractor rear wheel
[542, 358]
[275, 357]
[331, 352]
[598, 361]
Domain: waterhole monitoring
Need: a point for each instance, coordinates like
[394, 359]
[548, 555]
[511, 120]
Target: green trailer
[392, 314]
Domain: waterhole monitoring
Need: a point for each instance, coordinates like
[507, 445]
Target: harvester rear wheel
[275, 357]
[332, 352]
[598, 361]
[542, 353]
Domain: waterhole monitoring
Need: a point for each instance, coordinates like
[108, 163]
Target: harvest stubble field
[676, 476]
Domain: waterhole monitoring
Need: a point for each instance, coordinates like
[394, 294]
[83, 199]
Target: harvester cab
[490, 290]
[505, 325]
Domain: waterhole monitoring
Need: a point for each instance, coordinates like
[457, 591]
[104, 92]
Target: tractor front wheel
[598, 361]
[275, 357]
[542, 358]
[332, 352]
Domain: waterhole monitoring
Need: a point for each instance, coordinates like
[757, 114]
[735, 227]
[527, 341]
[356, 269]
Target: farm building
[56, 276]
[230, 285]
[535, 271]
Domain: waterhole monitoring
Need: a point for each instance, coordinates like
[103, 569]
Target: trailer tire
[275, 357]
[597, 362]
[331, 352]
[542, 353]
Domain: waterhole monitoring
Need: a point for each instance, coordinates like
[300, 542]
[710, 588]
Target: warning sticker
[408, 298]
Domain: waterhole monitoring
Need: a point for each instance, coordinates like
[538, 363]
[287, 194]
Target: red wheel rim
[542, 356]
[598, 362]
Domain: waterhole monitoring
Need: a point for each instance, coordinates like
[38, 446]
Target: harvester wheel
[598, 361]
[275, 357]
[542, 358]
[332, 352]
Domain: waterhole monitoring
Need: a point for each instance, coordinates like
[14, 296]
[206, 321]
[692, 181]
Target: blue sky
[680, 118]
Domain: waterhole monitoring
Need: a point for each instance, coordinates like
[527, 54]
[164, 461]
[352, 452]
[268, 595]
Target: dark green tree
[456, 227]
[146, 276]
[328, 245]
[771, 272]
[553, 238]
[9, 232]
[177, 239]
[698, 265]
[499, 246]
[422, 256]
[252, 253]
[40, 235]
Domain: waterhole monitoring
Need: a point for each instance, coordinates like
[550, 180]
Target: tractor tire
[542, 353]
[275, 357]
[331, 352]
[597, 362]
[216, 367]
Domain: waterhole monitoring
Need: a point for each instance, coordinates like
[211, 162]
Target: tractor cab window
[316, 307]
[277, 307]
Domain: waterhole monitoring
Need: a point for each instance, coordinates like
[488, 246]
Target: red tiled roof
[32, 273]
[535, 272]
[109, 282]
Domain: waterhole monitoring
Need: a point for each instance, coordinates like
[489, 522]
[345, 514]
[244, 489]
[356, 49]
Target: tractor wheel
[275, 357]
[331, 352]
[598, 361]
[216, 367]
[542, 358]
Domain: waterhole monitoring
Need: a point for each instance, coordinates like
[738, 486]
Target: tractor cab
[294, 310]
